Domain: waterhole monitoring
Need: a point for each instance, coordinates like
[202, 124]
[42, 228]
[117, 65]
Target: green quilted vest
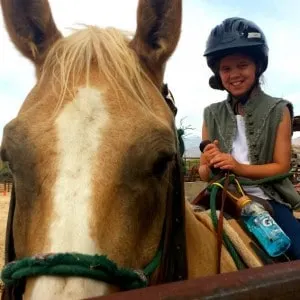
[262, 116]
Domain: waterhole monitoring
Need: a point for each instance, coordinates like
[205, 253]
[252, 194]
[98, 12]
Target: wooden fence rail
[278, 281]
[5, 187]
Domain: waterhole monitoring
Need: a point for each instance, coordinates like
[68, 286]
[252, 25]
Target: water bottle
[260, 223]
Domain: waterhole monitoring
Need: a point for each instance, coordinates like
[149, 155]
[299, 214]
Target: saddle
[228, 208]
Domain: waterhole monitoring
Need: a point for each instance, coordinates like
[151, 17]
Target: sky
[187, 73]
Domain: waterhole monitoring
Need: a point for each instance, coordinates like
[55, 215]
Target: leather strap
[220, 224]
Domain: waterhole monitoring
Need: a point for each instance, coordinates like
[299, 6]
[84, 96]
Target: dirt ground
[4, 202]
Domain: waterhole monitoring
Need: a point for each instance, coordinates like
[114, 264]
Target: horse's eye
[161, 164]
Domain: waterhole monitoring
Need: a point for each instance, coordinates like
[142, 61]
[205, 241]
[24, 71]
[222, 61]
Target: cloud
[187, 73]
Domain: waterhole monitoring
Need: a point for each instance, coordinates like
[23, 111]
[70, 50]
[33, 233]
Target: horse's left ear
[158, 31]
[30, 26]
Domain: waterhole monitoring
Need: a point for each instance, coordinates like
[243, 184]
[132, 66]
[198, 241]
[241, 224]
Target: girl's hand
[225, 161]
[211, 151]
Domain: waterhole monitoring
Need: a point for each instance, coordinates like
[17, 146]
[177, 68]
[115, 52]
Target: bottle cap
[242, 201]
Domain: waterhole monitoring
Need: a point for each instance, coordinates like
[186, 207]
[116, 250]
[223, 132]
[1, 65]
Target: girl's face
[237, 73]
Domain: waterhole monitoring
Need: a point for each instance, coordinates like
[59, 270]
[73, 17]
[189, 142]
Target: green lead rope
[270, 179]
[97, 267]
[245, 181]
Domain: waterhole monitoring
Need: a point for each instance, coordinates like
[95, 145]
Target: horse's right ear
[158, 32]
[30, 26]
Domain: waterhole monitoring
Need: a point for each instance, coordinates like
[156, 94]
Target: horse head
[93, 150]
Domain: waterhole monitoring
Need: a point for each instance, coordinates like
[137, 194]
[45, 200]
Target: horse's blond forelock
[70, 59]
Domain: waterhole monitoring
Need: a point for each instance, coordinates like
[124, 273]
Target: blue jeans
[290, 225]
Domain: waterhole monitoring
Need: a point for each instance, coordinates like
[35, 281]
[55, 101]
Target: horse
[98, 198]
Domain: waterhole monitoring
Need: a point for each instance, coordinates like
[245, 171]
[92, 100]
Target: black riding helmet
[231, 36]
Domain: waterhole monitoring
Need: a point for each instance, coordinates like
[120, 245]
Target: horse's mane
[70, 60]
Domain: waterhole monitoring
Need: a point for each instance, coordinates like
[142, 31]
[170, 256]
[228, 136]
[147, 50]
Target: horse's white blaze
[79, 127]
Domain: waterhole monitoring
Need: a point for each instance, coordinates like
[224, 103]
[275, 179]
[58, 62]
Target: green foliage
[5, 173]
[189, 163]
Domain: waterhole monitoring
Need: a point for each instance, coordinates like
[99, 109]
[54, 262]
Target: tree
[182, 132]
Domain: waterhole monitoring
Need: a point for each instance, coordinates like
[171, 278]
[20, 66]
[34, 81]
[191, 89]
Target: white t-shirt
[240, 152]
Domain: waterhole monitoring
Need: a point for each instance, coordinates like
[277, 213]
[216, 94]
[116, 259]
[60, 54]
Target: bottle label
[266, 221]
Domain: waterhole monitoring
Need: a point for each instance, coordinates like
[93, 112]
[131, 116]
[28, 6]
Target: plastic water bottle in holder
[260, 223]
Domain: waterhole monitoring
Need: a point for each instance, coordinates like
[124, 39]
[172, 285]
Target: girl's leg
[284, 217]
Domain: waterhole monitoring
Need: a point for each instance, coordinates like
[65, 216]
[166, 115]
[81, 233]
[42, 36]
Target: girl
[251, 131]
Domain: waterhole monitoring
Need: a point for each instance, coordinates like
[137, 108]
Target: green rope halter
[97, 267]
